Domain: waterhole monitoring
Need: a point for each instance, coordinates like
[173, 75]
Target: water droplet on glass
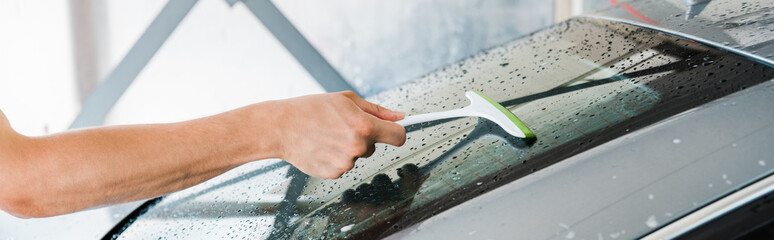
[676, 141]
[651, 222]
[650, 196]
[761, 162]
[347, 228]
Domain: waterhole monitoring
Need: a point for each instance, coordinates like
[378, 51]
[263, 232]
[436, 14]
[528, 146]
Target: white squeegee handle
[427, 117]
[480, 106]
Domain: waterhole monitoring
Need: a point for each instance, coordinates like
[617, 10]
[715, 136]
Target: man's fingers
[373, 109]
[379, 111]
[389, 132]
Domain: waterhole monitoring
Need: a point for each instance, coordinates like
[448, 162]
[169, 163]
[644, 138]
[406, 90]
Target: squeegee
[480, 106]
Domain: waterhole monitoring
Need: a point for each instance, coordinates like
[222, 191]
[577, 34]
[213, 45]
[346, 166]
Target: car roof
[743, 26]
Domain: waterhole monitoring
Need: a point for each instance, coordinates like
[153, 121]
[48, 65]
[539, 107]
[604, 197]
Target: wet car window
[576, 85]
[378, 45]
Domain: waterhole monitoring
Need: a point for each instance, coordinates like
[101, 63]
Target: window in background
[219, 58]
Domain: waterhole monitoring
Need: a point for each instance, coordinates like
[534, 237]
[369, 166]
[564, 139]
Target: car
[652, 120]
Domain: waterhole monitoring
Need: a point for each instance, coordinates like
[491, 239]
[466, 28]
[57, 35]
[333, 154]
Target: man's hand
[323, 134]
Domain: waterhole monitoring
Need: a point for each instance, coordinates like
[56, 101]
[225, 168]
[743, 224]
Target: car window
[576, 85]
[378, 45]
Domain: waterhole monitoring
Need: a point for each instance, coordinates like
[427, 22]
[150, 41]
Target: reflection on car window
[576, 85]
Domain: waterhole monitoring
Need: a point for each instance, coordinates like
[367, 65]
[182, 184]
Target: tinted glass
[576, 85]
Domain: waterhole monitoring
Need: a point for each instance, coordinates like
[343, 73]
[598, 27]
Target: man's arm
[321, 135]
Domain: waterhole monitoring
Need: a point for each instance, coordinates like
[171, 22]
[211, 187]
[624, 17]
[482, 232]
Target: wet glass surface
[377, 45]
[576, 85]
[741, 24]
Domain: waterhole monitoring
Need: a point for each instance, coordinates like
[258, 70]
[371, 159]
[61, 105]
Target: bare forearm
[321, 135]
[81, 169]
